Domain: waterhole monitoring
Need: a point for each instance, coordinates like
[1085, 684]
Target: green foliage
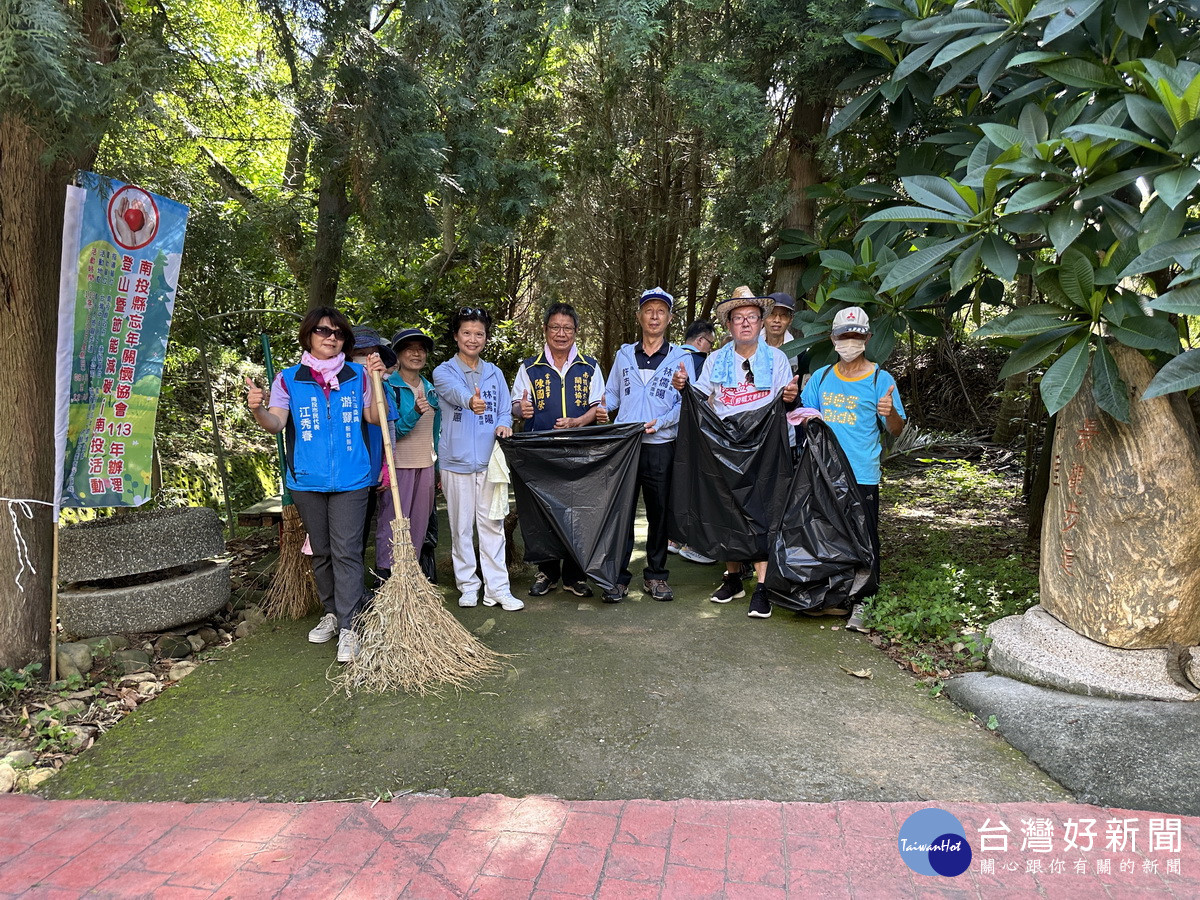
[1058, 117]
[947, 601]
[13, 681]
[49, 731]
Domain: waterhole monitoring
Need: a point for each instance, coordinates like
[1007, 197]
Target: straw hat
[742, 296]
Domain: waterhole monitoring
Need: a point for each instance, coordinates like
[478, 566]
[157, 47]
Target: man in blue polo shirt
[558, 388]
[639, 390]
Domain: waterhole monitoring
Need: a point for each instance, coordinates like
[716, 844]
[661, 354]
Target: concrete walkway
[496, 847]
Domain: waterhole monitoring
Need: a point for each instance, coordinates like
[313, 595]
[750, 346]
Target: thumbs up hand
[602, 414]
[422, 404]
[680, 378]
[477, 404]
[526, 406]
[792, 389]
[886, 406]
[254, 395]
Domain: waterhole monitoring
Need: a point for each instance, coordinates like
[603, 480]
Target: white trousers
[468, 497]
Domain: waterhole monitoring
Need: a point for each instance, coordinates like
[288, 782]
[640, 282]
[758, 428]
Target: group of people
[333, 435]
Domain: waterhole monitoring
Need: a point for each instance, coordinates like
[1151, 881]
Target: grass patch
[955, 559]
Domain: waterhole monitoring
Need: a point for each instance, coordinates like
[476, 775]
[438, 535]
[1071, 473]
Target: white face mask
[849, 350]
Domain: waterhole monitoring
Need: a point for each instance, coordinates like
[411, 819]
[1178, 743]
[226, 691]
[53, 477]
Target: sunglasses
[472, 311]
[325, 331]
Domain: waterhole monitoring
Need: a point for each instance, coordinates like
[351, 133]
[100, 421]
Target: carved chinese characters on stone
[1121, 535]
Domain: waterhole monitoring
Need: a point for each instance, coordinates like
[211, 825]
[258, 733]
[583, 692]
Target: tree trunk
[1010, 420]
[805, 128]
[32, 199]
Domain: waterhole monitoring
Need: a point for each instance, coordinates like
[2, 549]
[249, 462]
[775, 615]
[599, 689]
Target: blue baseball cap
[657, 293]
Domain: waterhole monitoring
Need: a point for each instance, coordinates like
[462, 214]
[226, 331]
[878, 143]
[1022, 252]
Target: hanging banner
[125, 272]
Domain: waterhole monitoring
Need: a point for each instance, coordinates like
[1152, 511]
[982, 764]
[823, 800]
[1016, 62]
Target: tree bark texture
[1121, 537]
[32, 199]
[805, 128]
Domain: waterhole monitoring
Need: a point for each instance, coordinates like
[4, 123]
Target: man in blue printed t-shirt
[858, 401]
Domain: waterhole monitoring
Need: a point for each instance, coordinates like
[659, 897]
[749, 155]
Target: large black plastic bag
[575, 494]
[821, 551]
[726, 486]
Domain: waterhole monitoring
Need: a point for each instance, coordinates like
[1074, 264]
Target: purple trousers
[416, 488]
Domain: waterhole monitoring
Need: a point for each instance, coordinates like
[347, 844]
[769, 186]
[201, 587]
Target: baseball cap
[783, 300]
[852, 320]
[657, 293]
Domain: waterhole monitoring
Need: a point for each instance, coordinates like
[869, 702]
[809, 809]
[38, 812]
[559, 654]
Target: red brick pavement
[543, 848]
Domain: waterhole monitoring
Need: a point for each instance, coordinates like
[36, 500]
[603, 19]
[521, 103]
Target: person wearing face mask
[858, 401]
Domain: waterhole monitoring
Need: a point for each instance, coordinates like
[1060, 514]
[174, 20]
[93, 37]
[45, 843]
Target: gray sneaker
[856, 620]
[347, 646]
[325, 630]
[692, 556]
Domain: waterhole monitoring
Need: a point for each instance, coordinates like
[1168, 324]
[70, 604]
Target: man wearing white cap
[639, 390]
[858, 401]
[743, 375]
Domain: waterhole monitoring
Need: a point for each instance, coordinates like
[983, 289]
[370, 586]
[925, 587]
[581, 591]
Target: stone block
[1120, 559]
[135, 544]
[132, 661]
[140, 608]
[73, 658]
[1038, 649]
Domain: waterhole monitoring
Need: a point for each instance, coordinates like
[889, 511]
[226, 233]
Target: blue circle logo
[933, 842]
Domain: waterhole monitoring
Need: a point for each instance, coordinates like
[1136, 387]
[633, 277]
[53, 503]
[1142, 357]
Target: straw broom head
[408, 640]
[293, 592]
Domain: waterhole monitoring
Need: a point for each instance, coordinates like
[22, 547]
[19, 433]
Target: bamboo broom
[292, 593]
[408, 640]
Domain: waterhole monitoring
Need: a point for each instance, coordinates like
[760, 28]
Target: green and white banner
[122, 248]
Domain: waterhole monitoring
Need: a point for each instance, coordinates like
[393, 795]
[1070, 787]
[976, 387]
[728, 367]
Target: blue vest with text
[326, 440]
[556, 398]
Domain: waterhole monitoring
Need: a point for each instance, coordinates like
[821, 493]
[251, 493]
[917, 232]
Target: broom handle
[381, 409]
[285, 497]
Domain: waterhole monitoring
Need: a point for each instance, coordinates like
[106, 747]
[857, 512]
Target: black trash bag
[821, 550]
[725, 486]
[427, 560]
[575, 492]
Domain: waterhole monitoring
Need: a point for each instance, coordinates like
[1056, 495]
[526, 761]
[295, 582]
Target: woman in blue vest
[325, 405]
[476, 409]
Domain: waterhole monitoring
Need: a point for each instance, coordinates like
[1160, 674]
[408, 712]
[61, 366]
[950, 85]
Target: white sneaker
[467, 600]
[325, 631]
[347, 646]
[508, 604]
[692, 556]
[674, 547]
[856, 620]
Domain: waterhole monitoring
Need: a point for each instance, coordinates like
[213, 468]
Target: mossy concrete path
[638, 700]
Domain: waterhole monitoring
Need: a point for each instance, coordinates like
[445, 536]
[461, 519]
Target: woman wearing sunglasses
[477, 409]
[323, 405]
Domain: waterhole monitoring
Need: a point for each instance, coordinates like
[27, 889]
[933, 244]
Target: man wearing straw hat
[743, 375]
[639, 390]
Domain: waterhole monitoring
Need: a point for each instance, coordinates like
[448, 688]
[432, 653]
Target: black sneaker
[658, 589]
[614, 596]
[730, 589]
[579, 589]
[760, 606]
[542, 585]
